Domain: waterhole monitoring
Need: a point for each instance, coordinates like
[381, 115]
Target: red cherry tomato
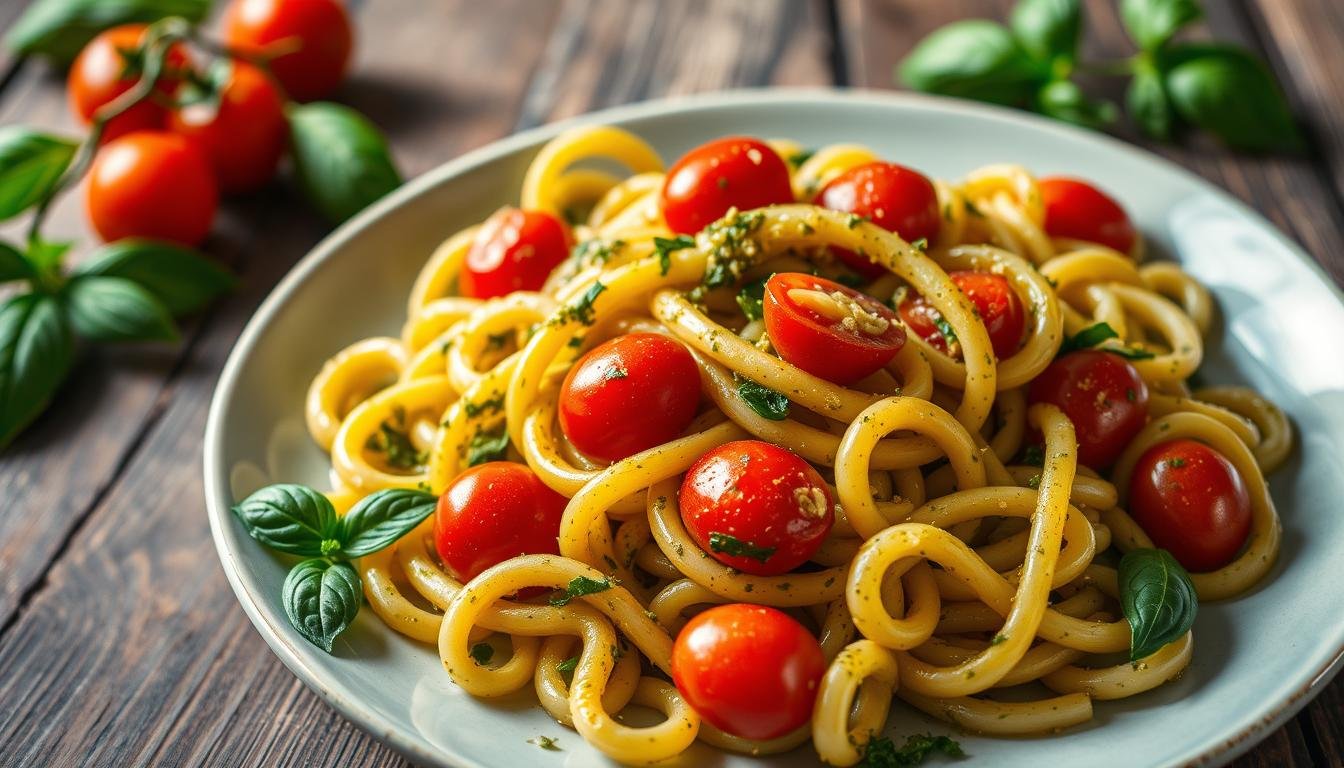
[998, 304]
[732, 172]
[628, 395]
[827, 329]
[245, 136]
[1102, 395]
[514, 250]
[151, 184]
[108, 66]
[493, 512]
[1192, 502]
[756, 507]
[749, 670]
[895, 198]
[1076, 209]
[314, 35]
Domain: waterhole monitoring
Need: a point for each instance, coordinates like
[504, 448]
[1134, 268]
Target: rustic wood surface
[120, 640]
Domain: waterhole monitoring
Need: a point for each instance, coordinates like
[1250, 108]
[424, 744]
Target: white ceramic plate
[1258, 658]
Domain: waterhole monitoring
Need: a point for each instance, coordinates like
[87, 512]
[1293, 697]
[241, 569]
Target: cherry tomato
[108, 66]
[1191, 501]
[493, 512]
[514, 250]
[756, 507]
[245, 136]
[827, 329]
[995, 300]
[749, 670]
[732, 172]
[1076, 209]
[628, 395]
[312, 38]
[151, 184]
[1102, 395]
[895, 198]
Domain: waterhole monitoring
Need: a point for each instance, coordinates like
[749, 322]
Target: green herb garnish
[482, 653]
[731, 545]
[764, 401]
[752, 299]
[487, 446]
[665, 246]
[581, 311]
[580, 586]
[881, 752]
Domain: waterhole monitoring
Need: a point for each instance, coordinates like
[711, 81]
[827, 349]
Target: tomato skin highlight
[629, 394]
[151, 184]
[514, 250]
[319, 30]
[96, 78]
[823, 346]
[245, 137]
[493, 512]
[1076, 209]
[894, 197]
[999, 307]
[1192, 502]
[1102, 394]
[749, 670]
[731, 172]
[762, 495]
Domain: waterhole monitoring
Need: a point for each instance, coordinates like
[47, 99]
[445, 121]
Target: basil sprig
[1158, 600]
[1030, 63]
[341, 160]
[322, 594]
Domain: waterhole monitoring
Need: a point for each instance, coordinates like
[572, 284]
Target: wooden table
[120, 641]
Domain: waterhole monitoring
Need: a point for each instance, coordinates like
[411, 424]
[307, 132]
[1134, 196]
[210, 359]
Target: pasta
[954, 569]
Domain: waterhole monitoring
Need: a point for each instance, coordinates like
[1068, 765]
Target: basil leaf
[731, 545]
[664, 247]
[116, 309]
[30, 164]
[60, 28]
[341, 160]
[1129, 353]
[752, 300]
[321, 598]
[581, 311]
[291, 518]
[1158, 599]
[973, 59]
[1231, 94]
[1152, 22]
[568, 665]
[1147, 104]
[1064, 100]
[182, 279]
[1048, 29]
[486, 447]
[13, 266]
[35, 354]
[1089, 337]
[578, 587]
[46, 255]
[763, 400]
[381, 518]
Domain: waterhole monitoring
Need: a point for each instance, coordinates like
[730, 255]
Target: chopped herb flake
[568, 665]
[752, 300]
[393, 442]
[485, 406]
[881, 752]
[487, 446]
[731, 545]
[1033, 455]
[545, 742]
[580, 586]
[581, 311]
[801, 156]
[482, 652]
[665, 246]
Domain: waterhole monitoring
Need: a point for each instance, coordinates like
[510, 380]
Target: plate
[1258, 658]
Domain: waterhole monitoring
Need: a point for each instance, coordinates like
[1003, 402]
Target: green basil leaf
[752, 299]
[1064, 100]
[291, 518]
[60, 28]
[1048, 29]
[664, 247]
[340, 158]
[46, 255]
[35, 354]
[731, 545]
[763, 400]
[1158, 599]
[30, 164]
[1148, 106]
[181, 278]
[381, 518]
[578, 587]
[1152, 22]
[1228, 92]
[13, 266]
[973, 59]
[1089, 337]
[568, 665]
[321, 598]
[116, 309]
[486, 447]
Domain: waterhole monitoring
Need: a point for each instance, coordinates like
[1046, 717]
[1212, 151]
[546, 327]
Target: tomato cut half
[829, 330]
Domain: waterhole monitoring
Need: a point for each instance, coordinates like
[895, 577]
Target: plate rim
[216, 477]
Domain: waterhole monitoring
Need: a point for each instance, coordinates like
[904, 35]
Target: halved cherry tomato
[311, 37]
[895, 198]
[493, 512]
[244, 135]
[998, 305]
[1191, 501]
[629, 394]
[756, 507]
[514, 250]
[1076, 209]
[108, 66]
[749, 670]
[1102, 394]
[827, 329]
[151, 184]
[732, 172]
